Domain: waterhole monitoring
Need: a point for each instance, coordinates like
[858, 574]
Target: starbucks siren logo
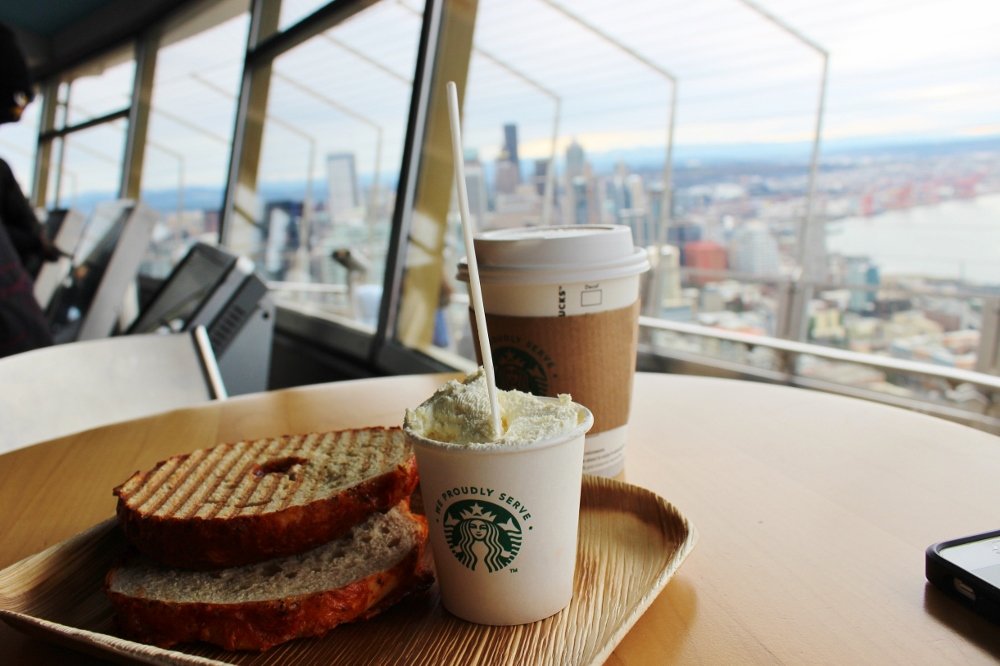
[482, 533]
[518, 369]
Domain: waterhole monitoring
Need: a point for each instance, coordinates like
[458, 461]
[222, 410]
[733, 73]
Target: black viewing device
[968, 569]
[185, 292]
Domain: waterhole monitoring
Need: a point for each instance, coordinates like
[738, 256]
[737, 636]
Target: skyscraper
[475, 184]
[706, 255]
[510, 145]
[861, 272]
[283, 218]
[579, 200]
[342, 185]
[575, 160]
[754, 250]
[508, 168]
[681, 235]
[507, 177]
[541, 175]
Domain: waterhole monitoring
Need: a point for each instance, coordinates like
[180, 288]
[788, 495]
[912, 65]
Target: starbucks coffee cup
[562, 309]
[503, 523]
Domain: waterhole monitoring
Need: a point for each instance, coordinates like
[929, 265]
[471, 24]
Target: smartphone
[968, 569]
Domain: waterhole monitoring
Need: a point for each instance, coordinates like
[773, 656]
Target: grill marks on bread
[306, 488]
[208, 483]
[255, 477]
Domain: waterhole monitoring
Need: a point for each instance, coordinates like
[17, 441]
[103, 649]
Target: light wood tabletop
[812, 511]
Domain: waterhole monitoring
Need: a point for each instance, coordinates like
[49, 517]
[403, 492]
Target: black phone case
[944, 574]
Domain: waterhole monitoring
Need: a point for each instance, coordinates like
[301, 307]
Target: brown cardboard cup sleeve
[590, 356]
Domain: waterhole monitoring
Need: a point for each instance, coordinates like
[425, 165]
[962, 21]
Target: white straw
[475, 288]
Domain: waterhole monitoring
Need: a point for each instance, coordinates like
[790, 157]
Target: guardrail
[787, 354]
[982, 389]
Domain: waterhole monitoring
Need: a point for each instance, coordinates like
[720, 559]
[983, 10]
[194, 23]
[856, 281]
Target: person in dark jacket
[32, 245]
[22, 324]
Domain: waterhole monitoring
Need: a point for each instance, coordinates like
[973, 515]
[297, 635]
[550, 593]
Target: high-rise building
[541, 175]
[282, 240]
[579, 199]
[861, 272]
[475, 185]
[510, 145]
[508, 168]
[575, 160]
[654, 195]
[342, 185]
[815, 259]
[707, 255]
[681, 235]
[754, 250]
[637, 220]
[670, 275]
[617, 194]
[507, 176]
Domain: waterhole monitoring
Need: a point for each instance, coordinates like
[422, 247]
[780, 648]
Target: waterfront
[955, 240]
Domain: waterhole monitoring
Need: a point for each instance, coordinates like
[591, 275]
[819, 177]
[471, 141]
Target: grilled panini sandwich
[257, 606]
[250, 501]
[251, 544]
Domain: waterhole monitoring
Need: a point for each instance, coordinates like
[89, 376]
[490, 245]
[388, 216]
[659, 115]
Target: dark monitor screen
[74, 296]
[185, 290]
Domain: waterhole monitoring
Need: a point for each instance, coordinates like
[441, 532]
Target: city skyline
[643, 159]
[894, 102]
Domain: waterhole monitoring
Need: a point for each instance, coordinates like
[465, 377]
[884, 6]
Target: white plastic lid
[556, 254]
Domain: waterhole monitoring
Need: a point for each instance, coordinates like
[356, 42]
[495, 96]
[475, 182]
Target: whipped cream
[459, 413]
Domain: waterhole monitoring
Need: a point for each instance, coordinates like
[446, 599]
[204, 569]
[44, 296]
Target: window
[101, 87]
[88, 140]
[314, 209]
[18, 142]
[293, 11]
[198, 68]
[821, 171]
[89, 167]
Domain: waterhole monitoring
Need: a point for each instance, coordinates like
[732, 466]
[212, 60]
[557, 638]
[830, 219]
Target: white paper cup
[503, 524]
[562, 309]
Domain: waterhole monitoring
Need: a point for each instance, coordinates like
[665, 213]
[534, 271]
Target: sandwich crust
[163, 608]
[250, 501]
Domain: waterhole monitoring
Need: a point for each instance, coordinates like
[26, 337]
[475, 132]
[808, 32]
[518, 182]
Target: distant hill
[648, 157]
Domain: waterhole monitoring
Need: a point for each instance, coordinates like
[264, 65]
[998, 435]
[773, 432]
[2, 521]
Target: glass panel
[101, 87]
[331, 149]
[852, 206]
[89, 169]
[188, 143]
[86, 165]
[293, 11]
[18, 142]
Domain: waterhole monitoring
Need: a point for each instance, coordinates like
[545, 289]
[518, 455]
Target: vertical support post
[428, 227]
[138, 117]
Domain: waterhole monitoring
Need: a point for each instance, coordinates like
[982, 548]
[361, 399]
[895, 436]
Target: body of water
[953, 240]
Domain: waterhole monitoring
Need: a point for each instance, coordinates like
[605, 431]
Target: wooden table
[813, 511]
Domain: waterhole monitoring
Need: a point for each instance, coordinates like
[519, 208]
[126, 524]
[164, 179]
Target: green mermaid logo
[482, 534]
[519, 369]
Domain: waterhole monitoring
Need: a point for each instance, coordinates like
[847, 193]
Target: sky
[922, 68]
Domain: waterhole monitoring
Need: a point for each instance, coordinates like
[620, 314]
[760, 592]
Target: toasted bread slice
[257, 606]
[251, 501]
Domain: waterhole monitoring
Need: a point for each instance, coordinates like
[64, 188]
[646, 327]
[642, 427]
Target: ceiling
[56, 34]
[46, 18]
